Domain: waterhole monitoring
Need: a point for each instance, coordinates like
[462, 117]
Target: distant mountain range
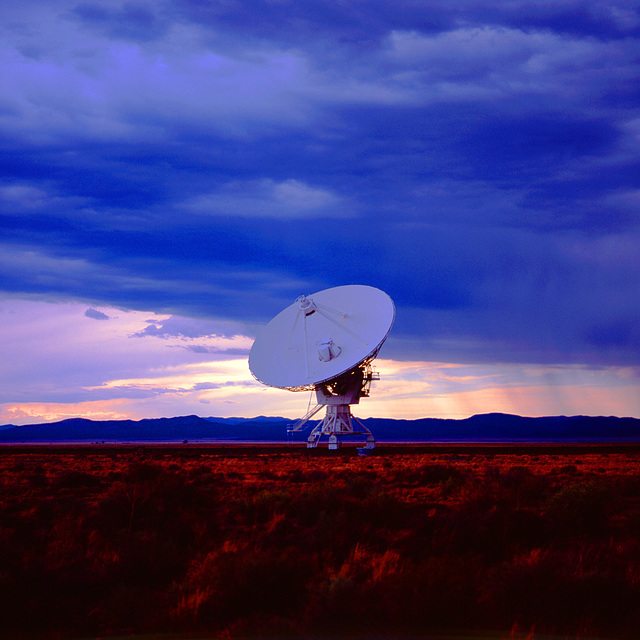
[490, 427]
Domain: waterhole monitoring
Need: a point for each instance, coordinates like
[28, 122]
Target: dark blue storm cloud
[215, 160]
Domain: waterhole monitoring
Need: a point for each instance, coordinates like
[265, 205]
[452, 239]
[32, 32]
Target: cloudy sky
[174, 173]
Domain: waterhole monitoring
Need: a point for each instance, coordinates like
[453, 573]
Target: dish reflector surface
[322, 336]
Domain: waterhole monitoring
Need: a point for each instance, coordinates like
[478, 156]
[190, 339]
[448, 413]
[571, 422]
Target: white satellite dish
[326, 342]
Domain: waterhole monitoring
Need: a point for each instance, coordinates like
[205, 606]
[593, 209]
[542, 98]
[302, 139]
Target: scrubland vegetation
[283, 543]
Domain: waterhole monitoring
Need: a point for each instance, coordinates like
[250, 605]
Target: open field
[500, 541]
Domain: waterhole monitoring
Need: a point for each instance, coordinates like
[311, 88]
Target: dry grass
[276, 541]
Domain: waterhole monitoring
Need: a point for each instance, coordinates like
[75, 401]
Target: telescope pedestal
[337, 396]
[339, 422]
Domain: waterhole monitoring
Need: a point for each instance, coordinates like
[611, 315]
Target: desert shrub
[631, 524]
[494, 517]
[12, 599]
[38, 478]
[127, 606]
[208, 480]
[582, 592]
[437, 473]
[334, 531]
[520, 593]
[65, 545]
[15, 578]
[493, 534]
[74, 479]
[20, 465]
[332, 516]
[203, 474]
[317, 475]
[452, 485]
[127, 506]
[569, 469]
[355, 596]
[316, 499]
[448, 478]
[270, 474]
[439, 591]
[629, 486]
[381, 510]
[149, 496]
[582, 508]
[359, 485]
[143, 529]
[514, 488]
[295, 475]
[145, 471]
[238, 582]
[263, 505]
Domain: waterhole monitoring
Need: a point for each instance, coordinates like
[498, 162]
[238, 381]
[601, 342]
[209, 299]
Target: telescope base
[339, 422]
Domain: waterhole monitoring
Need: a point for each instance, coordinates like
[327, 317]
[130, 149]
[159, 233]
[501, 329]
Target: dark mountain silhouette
[183, 427]
[501, 426]
[485, 427]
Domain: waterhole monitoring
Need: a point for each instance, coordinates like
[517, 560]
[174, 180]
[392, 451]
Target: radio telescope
[326, 343]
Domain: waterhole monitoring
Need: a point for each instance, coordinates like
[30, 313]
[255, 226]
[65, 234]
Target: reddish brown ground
[274, 541]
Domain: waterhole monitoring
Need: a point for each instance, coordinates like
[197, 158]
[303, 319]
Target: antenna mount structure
[326, 343]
